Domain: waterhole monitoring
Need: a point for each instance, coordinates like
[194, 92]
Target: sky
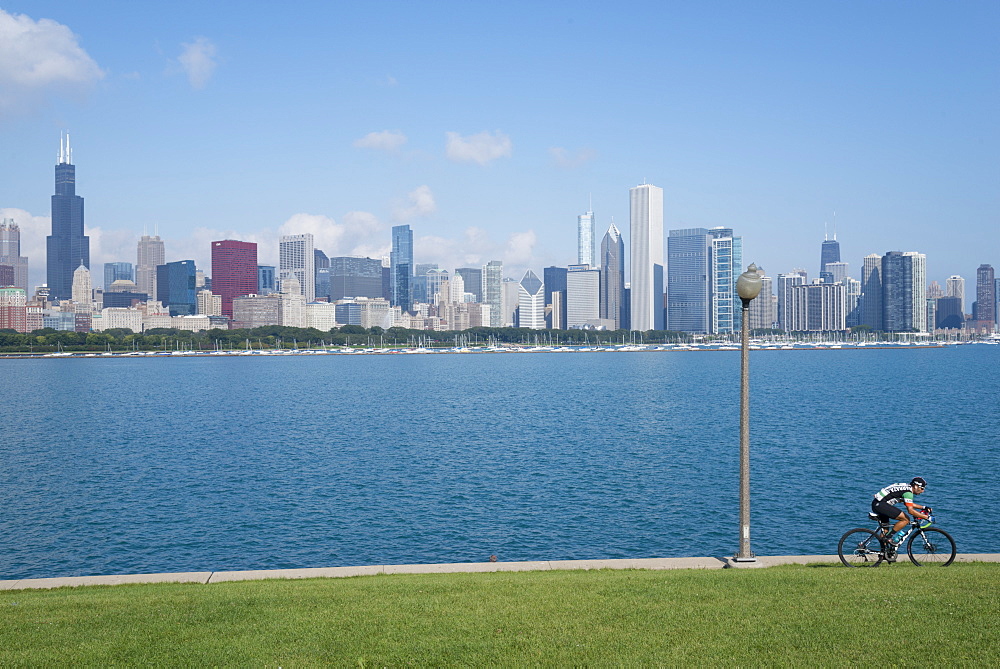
[488, 128]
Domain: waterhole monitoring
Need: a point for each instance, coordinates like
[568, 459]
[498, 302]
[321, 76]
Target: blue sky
[489, 127]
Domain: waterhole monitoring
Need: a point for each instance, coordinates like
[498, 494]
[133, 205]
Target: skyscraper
[904, 292]
[531, 302]
[10, 252]
[83, 290]
[113, 271]
[646, 233]
[689, 284]
[149, 255]
[870, 302]
[493, 291]
[67, 247]
[473, 277]
[955, 287]
[296, 258]
[583, 296]
[234, 271]
[727, 257]
[175, 287]
[612, 262]
[355, 277]
[985, 296]
[796, 277]
[555, 294]
[702, 266]
[586, 239]
[830, 252]
[401, 267]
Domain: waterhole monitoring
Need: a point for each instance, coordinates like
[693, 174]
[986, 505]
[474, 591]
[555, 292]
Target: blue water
[160, 465]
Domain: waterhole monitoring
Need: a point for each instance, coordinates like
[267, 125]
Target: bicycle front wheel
[931, 548]
[861, 547]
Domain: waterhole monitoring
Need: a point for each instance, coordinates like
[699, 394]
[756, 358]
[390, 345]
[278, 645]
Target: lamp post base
[742, 563]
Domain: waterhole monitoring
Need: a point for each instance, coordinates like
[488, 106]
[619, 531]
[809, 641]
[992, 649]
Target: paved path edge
[206, 577]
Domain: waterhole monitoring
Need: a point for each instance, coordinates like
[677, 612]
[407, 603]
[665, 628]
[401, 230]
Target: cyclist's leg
[890, 513]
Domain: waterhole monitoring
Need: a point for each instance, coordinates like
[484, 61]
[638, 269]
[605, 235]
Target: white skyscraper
[531, 302]
[83, 293]
[586, 239]
[296, 257]
[646, 233]
[583, 296]
[149, 254]
[919, 264]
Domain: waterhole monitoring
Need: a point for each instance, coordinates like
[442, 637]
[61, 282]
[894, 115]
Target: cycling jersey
[895, 492]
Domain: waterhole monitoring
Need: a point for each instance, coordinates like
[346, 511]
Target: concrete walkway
[453, 568]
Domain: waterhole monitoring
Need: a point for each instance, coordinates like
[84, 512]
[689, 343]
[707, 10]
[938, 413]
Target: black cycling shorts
[885, 510]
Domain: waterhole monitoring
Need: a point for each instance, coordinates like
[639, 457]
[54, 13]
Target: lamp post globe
[748, 284]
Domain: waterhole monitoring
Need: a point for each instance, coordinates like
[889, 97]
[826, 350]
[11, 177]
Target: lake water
[127, 465]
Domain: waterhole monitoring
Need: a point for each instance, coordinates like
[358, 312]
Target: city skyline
[776, 121]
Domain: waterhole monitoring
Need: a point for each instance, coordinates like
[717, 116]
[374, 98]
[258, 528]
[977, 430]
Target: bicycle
[926, 546]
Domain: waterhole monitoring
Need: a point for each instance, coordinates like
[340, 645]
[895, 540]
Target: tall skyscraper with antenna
[67, 247]
[830, 252]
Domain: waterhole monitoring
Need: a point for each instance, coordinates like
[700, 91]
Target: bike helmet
[918, 480]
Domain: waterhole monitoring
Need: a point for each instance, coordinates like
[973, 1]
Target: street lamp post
[747, 287]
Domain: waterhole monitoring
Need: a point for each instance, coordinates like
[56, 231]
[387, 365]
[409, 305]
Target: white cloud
[386, 140]
[198, 60]
[359, 233]
[420, 203]
[39, 59]
[475, 248]
[566, 159]
[480, 148]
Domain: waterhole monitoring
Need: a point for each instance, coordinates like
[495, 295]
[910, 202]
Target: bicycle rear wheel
[861, 547]
[931, 548]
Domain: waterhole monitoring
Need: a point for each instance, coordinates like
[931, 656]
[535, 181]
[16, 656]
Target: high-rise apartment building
[646, 233]
[727, 257]
[10, 253]
[150, 254]
[904, 292]
[816, 307]
[401, 267]
[175, 287]
[764, 308]
[796, 277]
[296, 258]
[612, 263]
[115, 271]
[67, 247]
[234, 271]
[493, 291]
[985, 296]
[586, 239]
[531, 302]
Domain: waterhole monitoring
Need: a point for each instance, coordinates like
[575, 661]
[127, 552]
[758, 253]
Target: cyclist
[885, 501]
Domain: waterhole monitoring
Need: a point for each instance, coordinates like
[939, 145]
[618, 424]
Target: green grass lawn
[793, 615]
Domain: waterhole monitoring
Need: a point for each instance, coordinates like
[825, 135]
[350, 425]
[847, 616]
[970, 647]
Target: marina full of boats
[755, 345]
